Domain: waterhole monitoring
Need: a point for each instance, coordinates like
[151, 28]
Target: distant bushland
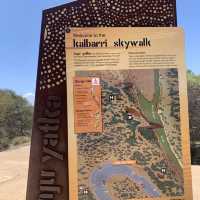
[194, 105]
[193, 79]
[16, 115]
[194, 115]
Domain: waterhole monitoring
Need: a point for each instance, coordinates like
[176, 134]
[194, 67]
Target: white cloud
[29, 94]
[30, 97]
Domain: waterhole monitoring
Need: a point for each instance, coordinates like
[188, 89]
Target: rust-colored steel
[48, 170]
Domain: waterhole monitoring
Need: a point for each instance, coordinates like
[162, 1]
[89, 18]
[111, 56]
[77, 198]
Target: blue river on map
[100, 176]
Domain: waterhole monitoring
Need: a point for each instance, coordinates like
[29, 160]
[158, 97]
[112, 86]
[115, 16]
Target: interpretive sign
[48, 174]
[128, 135]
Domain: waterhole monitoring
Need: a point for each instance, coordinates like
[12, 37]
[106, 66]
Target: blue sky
[20, 31]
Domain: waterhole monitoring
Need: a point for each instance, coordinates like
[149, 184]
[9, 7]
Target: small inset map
[139, 153]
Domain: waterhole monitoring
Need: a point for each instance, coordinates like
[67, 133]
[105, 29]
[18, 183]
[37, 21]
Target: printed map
[138, 154]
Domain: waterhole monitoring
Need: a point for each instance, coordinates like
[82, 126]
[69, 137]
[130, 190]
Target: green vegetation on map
[150, 111]
[142, 125]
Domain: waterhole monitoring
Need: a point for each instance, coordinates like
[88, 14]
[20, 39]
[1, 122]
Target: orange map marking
[87, 105]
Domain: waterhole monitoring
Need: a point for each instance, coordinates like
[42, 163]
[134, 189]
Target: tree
[15, 116]
[193, 79]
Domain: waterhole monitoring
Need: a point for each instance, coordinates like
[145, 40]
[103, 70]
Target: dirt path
[13, 175]
[196, 182]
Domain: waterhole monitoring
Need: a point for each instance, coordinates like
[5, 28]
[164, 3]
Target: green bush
[15, 119]
[193, 79]
[4, 143]
[20, 140]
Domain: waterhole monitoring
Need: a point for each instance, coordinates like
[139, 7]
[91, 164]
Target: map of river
[139, 153]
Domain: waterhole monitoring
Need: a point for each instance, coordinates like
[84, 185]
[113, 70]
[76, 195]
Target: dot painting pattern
[94, 13]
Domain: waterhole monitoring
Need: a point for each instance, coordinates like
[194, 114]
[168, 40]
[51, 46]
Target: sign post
[48, 157]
